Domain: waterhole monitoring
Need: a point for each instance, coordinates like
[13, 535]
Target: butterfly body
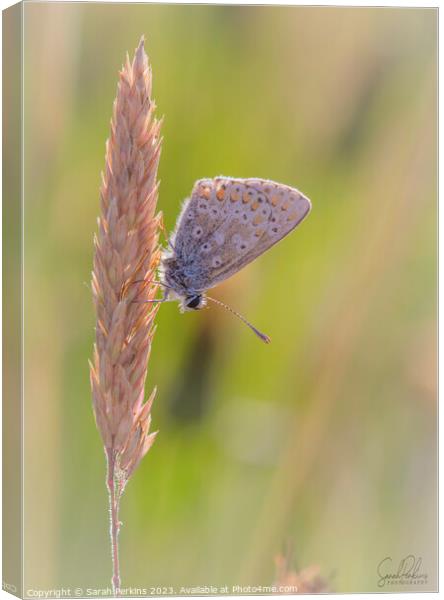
[180, 280]
[223, 226]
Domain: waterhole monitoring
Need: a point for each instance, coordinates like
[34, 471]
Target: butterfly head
[193, 302]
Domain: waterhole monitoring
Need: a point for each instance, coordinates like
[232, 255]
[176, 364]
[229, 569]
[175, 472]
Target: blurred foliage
[328, 436]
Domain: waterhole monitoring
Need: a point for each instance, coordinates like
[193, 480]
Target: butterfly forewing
[228, 222]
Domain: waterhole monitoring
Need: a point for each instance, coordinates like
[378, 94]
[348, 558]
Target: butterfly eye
[193, 302]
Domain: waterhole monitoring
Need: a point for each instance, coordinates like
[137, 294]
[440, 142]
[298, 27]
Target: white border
[401, 4]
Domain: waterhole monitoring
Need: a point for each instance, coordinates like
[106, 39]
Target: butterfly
[223, 226]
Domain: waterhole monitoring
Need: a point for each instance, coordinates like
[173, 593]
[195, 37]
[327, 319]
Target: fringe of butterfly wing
[126, 249]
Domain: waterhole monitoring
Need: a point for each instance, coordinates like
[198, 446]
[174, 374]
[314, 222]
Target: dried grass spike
[126, 249]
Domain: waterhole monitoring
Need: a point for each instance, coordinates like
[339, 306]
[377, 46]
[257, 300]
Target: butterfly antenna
[259, 334]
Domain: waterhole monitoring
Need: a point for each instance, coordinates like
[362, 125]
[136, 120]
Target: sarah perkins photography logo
[407, 571]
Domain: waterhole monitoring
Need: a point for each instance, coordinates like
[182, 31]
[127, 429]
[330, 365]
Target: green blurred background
[325, 439]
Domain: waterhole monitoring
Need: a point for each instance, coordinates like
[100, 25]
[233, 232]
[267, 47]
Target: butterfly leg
[145, 281]
[154, 301]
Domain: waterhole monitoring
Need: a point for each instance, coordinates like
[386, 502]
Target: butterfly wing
[227, 223]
